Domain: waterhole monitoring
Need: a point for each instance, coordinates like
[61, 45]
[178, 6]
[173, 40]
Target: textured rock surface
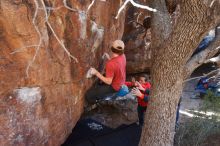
[115, 112]
[43, 107]
[137, 40]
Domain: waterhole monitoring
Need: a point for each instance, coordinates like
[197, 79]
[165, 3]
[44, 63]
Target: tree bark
[171, 5]
[160, 23]
[167, 72]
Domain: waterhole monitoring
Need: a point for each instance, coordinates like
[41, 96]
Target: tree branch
[201, 57]
[214, 59]
[40, 37]
[55, 35]
[90, 5]
[214, 72]
[23, 48]
[134, 4]
[69, 8]
[38, 46]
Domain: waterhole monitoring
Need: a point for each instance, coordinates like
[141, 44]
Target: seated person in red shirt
[142, 91]
[115, 74]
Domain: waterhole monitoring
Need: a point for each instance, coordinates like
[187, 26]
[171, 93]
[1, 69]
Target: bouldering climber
[115, 71]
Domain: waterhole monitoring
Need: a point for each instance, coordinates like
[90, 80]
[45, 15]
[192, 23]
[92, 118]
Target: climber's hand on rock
[93, 71]
[106, 55]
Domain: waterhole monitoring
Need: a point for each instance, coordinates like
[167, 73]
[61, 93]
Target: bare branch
[69, 8]
[132, 21]
[134, 4]
[142, 6]
[198, 77]
[38, 46]
[55, 35]
[211, 4]
[52, 8]
[121, 8]
[139, 16]
[167, 90]
[90, 5]
[23, 48]
[40, 38]
[214, 59]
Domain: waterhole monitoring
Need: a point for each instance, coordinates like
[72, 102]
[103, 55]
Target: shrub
[196, 130]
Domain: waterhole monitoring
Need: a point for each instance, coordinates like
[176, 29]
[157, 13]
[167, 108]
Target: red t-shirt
[116, 69]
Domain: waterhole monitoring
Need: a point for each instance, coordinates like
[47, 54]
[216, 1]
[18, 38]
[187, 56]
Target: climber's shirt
[116, 69]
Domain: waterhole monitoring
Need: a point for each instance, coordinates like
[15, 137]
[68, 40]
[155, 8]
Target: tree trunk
[167, 73]
[160, 23]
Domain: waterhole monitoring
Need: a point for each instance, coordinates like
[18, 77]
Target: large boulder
[42, 88]
[114, 112]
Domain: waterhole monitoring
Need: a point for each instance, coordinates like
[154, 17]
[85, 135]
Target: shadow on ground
[88, 132]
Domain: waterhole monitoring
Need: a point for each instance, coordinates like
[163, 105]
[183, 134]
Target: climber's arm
[107, 80]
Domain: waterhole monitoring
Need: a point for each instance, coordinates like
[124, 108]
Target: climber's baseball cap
[118, 45]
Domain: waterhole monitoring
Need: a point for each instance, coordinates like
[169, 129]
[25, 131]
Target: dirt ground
[187, 103]
[189, 108]
[212, 140]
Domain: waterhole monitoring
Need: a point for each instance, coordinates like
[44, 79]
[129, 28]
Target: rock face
[42, 88]
[115, 112]
[137, 40]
